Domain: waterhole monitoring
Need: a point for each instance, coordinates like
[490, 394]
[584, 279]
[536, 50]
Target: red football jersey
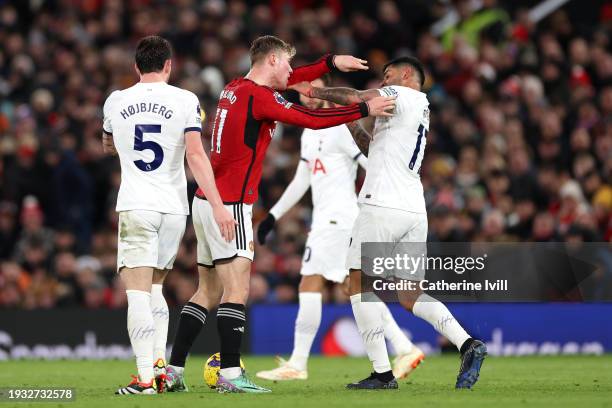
[245, 122]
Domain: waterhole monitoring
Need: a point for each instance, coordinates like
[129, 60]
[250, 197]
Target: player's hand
[264, 229]
[225, 221]
[348, 63]
[108, 145]
[304, 88]
[381, 106]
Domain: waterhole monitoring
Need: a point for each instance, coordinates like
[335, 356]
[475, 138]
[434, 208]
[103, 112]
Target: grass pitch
[505, 382]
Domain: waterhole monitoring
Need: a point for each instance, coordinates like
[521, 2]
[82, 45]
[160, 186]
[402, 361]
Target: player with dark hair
[152, 126]
[393, 210]
[328, 166]
[243, 127]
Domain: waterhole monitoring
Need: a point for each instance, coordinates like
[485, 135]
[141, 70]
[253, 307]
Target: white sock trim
[230, 373]
[137, 292]
[310, 295]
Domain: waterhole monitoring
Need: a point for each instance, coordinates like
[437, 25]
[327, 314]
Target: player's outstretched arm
[339, 95]
[327, 63]
[270, 105]
[202, 171]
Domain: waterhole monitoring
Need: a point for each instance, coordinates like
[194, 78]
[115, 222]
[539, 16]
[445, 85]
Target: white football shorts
[325, 253]
[149, 238]
[381, 224]
[211, 245]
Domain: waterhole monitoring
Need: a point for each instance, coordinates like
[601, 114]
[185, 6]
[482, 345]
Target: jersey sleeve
[195, 115]
[303, 152]
[270, 105]
[294, 192]
[312, 71]
[107, 126]
[388, 91]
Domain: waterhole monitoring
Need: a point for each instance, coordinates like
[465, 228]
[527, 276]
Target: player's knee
[159, 275]
[236, 294]
[203, 298]
[407, 303]
[408, 298]
[312, 283]
[354, 282]
[345, 287]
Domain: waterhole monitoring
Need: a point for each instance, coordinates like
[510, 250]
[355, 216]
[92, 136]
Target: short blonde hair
[266, 44]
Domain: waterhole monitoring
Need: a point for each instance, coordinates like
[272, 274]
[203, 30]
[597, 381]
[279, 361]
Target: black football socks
[193, 317]
[231, 320]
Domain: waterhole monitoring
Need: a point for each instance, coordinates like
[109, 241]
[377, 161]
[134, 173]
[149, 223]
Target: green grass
[505, 382]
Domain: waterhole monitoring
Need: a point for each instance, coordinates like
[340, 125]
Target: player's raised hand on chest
[381, 106]
[348, 63]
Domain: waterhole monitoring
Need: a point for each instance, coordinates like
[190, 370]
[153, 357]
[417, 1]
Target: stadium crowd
[519, 149]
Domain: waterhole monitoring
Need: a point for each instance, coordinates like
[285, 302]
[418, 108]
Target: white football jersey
[148, 122]
[331, 156]
[396, 152]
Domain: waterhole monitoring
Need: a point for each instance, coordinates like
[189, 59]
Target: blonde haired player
[152, 126]
[328, 166]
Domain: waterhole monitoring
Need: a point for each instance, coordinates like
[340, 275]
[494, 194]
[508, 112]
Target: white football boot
[404, 364]
[284, 372]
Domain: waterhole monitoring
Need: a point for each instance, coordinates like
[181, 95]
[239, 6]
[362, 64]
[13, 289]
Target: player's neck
[411, 84]
[150, 77]
[260, 76]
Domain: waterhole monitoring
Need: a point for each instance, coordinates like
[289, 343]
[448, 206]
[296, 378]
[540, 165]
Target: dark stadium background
[520, 145]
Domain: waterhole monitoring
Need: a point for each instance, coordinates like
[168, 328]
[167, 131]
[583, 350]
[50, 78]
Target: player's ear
[272, 58]
[168, 66]
[407, 73]
[137, 70]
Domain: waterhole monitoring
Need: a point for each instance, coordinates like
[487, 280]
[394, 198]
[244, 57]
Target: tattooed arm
[360, 136]
[341, 96]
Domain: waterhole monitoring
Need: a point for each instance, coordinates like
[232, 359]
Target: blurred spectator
[8, 228]
[33, 234]
[69, 292]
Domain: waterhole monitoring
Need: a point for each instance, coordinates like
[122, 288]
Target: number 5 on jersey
[140, 145]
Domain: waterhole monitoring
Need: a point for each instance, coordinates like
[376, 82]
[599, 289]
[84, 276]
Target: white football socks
[231, 372]
[306, 327]
[141, 330]
[159, 309]
[401, 343]
[368, 316]
[177, 369]
[440, 318]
